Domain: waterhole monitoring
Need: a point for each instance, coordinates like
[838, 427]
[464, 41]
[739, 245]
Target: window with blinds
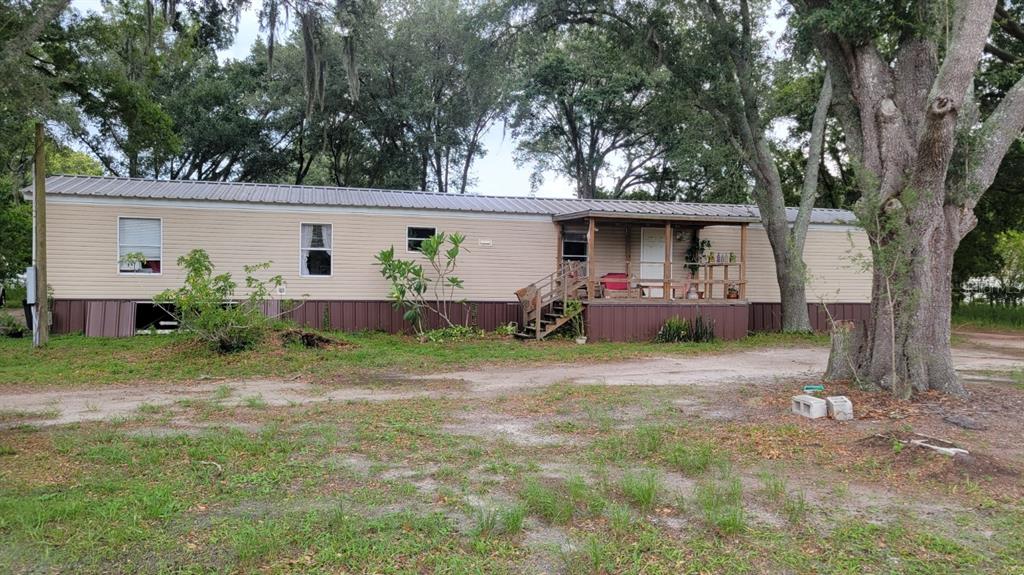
[139, 245]
[315, 250]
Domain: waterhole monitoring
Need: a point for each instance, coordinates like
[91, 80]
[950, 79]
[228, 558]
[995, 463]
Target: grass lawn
[983, 315]
[560, 478]
[74, 360]
[619, 481]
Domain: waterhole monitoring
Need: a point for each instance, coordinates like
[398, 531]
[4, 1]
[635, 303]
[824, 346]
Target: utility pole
[41, 325]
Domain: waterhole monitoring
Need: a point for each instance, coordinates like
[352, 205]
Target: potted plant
[695, 254]
[132, 261]
[733, 292]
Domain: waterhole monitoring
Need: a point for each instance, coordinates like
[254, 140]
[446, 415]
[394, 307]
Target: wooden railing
[711, 279]
[558, 286]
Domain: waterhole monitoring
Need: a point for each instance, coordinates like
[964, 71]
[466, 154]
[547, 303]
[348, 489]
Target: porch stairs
[544, 301]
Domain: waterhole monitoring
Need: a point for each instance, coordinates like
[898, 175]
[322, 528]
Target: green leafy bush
[206, 307]
[453, 333]
[510, 328]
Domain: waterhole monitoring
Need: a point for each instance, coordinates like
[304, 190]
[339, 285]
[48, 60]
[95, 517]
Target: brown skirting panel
[116, 318]
[95, 317]
[370, 315]
[767, 316]
[641, 322]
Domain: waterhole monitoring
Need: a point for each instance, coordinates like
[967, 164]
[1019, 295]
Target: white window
[315, 251]
[139, 245]
[415, 236]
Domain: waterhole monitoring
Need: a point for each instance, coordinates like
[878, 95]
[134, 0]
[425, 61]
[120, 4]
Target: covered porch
[656, 258]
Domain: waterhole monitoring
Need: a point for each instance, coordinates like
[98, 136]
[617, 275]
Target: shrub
[577, 325]
[675, 329]
[206, 308]
[703, 330]
[11, 327]
[418, 292]
[508, 329]
[453, 333]
[679, 330]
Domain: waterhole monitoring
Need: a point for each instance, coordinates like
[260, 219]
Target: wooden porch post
[629, 252]
[591, 261]
[667, 279]
[538, 315]
[743, 262]
[558, 246]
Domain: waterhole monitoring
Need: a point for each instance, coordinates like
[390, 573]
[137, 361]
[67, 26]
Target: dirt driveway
[976, 355]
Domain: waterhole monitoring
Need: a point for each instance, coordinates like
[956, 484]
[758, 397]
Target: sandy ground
[977, 354]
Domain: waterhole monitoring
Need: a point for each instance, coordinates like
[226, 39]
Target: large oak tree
[925, 154]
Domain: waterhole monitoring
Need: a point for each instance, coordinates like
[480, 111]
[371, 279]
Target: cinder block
[840, 407]
[809, 406]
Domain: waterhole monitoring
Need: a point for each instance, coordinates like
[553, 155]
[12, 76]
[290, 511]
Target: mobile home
[632, 263]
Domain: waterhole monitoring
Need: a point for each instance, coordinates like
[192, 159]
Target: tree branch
[1006, 22]
[998, 52]
[809, 191]
[18, 45]
[998, 132]
[971, 27]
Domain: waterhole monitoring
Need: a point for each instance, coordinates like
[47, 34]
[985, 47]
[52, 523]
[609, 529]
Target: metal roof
[558, 208]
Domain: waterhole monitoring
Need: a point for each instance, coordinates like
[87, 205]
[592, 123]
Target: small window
[139, 245]
[315, 253]
[574, 246]
[415, 237]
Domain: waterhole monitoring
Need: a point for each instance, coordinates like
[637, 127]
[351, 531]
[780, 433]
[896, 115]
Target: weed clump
[721, 503]
[692, 459]
[641, 487]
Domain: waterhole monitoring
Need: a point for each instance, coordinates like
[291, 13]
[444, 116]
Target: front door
[652, 259]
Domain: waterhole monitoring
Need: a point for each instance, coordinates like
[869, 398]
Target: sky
[494, 174]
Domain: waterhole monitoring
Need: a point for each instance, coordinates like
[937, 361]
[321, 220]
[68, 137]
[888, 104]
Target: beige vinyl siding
[611, 247]
[833, 255]
[82, 249]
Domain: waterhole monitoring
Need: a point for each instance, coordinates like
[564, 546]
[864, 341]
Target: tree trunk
[916, 300]
[842, 358]
[793, 295]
